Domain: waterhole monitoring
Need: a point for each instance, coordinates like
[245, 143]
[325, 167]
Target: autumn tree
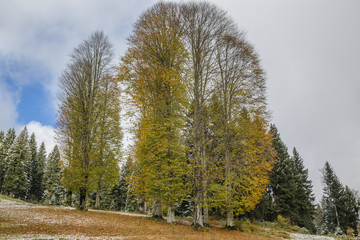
[81, 86]
[203, 24]
[152, 70]
[107, 147]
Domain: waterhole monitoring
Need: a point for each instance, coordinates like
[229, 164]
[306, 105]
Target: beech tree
[79, 113]
[203, 24]
[152, 70]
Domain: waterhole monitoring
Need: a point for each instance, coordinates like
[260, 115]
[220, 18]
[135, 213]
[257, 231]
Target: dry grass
[21, 220]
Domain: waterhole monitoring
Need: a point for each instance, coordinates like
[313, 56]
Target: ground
[19, 220]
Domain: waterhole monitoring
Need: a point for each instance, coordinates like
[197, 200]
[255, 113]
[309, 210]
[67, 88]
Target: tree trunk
[98, 192]
[69, 198]
[82, 198]
[198, 217]
[157, 209]
[205, 209]
[170, 217]
[230, 219]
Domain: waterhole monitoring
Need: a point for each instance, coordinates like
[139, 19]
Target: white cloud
[8, 103]
[42, 133]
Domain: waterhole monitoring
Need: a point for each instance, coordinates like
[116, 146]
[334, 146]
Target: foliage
[290, 191]
[339, 204]
[80, 120]
[54, 193]
[152, 71]
[16, 181]
[5, 144]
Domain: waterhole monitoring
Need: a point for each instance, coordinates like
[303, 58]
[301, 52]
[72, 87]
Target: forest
[193, 93]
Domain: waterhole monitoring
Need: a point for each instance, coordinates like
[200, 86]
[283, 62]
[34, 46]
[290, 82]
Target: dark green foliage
[304, 197]
[120, 197]
[5, 144]
[37, 173]
[16, 180]
[340, 207]
[289, 193]
[54, 193]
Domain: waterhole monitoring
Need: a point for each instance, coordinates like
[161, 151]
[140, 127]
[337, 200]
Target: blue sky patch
[35, 105]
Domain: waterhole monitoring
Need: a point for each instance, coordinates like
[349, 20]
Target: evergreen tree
[290, 191]
[304, 208]
[16, 181]
[340, 207]
[121, 196]
[2, 136]
[332, 199]
[38, 165]
[282, 183]
[31, 167]
[4, 147]
[54, 193]
[350, 214]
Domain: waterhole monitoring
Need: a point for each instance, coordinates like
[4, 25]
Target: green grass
[10, 199]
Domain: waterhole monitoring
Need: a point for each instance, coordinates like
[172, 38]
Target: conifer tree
[32, 167]
[4, 147]
[37, 186]
[290, 191]
[282, 182]
[340, 207]
[54, 193]
[16, 181]
[303, 213]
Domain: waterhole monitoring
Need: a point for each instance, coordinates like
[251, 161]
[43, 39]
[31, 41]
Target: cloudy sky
[309, 49]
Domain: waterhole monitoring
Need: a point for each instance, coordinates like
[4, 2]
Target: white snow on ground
[298, 236]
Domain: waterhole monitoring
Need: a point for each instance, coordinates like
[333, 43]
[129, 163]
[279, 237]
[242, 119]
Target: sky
[309, 49]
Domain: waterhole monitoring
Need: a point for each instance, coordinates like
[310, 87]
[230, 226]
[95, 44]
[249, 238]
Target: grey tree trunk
[170, 217]
[98, 192]
[157, 213]
[230, 219]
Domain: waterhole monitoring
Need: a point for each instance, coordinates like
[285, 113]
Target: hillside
[23, 220]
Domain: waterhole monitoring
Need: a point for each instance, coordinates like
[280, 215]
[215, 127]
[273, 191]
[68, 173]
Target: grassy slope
[18, 219]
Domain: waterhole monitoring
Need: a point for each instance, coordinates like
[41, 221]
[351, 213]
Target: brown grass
[26, 220]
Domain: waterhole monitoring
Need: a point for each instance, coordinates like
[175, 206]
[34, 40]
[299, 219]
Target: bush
[244, 225]
[282, 222]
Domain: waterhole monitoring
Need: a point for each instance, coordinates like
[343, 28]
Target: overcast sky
[309, 49]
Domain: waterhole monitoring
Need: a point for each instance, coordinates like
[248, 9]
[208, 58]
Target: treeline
[290, 195]
[26, 171]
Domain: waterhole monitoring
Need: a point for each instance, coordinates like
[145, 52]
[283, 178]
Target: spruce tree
[290, 191]
[4, 147]
[304, 207]
[37, 173]
[54, 193]
[340, 207]
[2, 136]
[281, 180]
[332, 199]
[31, 166]
[16, 181]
